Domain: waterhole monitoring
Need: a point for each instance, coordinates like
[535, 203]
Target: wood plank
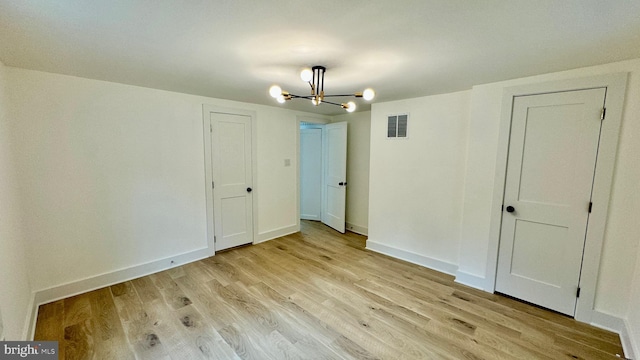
[77, 309]
[172, 294]
[202, 338]
[313, 294]
[78, 340]
[50, 324]
[109, 337]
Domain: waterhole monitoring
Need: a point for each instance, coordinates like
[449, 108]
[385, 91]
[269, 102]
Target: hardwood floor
[317, 294]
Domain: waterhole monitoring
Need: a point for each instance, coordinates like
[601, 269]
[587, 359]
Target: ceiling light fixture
[315, 78]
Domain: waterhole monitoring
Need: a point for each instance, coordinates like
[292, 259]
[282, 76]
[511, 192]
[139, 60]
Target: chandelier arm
[332, 103]
[310, 97]
[341, 95]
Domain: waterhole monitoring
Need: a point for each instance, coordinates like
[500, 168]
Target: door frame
[615, 85]
[208, 168]
[301, 119]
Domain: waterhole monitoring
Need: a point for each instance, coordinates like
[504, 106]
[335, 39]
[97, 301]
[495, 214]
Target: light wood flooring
[317, 294]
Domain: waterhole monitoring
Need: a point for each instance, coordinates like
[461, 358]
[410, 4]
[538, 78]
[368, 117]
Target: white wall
[431, 204]
[416, 185]
[112, 175]
[358, 144]
[278, 198]
[15, 290]
[621, 237]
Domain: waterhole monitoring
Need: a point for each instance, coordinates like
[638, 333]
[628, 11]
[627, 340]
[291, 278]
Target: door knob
[340, 183]
[249, 190]
[510, 209]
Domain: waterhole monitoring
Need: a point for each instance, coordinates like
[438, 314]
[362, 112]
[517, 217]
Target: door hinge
[210, 128]
[213, 185]
[603, 113]
[590, 207]
[215, 239]
[578, 292]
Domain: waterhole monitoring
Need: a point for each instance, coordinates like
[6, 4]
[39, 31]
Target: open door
[334, 145]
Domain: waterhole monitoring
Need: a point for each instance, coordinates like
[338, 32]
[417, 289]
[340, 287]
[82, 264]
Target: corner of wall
[45, 296]
[471, 280]
[358, 229]
[619, 326]
[629, 341]
[412, 257]
[16, 287]
[276, 233]
[30, 322]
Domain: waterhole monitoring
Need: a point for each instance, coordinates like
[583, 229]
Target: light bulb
[315, 101]
[368, 94]
[275, 91]
[351, 106]
[281, 99]
[306, 75]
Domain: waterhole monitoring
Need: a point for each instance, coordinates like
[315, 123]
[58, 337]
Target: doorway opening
[322, 180]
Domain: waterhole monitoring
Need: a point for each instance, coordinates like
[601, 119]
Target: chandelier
[315, 78]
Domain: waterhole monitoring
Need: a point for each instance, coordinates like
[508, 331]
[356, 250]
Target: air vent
[397, 126]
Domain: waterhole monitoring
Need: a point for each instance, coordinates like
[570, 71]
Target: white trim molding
[276, 233]
[619, 326]
[32, 316]
[615, 95]
[629, 341]
[362, 230]
[428, 262]
[471, 280]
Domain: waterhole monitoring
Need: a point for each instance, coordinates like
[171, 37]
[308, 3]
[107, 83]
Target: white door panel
[335, 147]
[232, 175]
[550, 168]
[232, 153]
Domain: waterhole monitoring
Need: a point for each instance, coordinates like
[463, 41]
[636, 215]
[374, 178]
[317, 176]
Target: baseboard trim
[617, 325]
[276, 233]
[431, 263]
[55, 293]
[362, 230]
[30, 325]
[631, 349]
[310, 217]
[606, 321]
[474, 281]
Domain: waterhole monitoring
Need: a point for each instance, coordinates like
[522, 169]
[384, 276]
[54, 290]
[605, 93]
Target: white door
[232, 180]
[550, 168]
[311, 174]
[335, 175]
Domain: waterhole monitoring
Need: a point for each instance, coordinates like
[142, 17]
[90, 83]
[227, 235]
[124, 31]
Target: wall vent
[397, 126]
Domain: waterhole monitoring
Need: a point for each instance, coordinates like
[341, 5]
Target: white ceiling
[236, 49]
